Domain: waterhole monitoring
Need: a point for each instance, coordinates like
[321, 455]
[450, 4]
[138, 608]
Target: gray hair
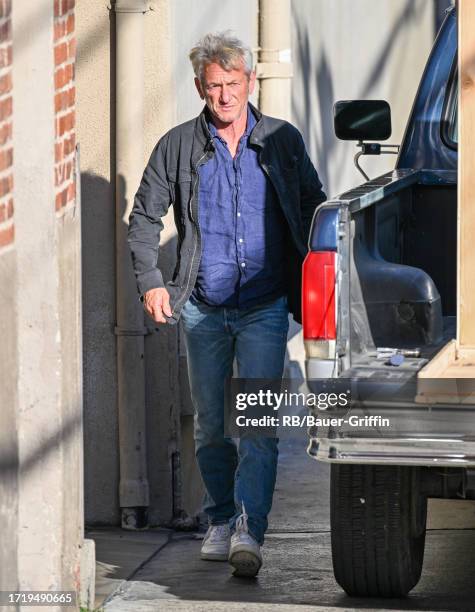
[221, 48]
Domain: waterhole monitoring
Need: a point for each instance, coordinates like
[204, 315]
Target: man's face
[225, 91]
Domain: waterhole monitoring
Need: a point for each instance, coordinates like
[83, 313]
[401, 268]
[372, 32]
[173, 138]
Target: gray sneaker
[245, 553]
[215, 545]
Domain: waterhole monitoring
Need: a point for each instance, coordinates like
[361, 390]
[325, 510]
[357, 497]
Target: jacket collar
[257, 136]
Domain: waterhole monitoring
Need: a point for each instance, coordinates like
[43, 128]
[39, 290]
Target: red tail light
[318, 296]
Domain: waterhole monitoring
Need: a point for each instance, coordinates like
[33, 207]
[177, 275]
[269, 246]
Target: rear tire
[378, 526]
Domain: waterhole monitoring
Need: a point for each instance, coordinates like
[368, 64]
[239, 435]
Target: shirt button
[243, 265]
[239, 214]
[241, 240]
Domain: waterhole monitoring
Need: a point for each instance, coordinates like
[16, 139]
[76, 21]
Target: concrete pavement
[160, 570]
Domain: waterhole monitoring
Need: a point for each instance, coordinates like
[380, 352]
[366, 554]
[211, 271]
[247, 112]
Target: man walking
[244, 192]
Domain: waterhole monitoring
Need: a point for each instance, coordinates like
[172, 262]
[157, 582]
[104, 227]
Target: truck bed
[367, 364]
[398, 271]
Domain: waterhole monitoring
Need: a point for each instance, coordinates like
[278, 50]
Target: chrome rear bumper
[395, 451]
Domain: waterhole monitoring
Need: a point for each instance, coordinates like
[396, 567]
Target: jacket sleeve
[151, 203]
[311, 192]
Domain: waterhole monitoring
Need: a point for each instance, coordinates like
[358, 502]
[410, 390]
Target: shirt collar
[251, 122]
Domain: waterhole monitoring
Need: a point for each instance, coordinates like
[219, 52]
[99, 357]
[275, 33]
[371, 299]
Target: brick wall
[7, 228]
[64, 102]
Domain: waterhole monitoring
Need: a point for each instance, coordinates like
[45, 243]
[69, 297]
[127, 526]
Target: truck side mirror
[364, 120]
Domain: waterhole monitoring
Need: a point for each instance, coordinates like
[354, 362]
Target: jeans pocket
[188, 310]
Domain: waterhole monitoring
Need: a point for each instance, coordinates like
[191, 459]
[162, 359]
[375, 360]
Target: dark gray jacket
[171, 177]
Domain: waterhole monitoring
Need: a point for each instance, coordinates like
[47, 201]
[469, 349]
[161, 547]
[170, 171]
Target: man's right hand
[157, 303]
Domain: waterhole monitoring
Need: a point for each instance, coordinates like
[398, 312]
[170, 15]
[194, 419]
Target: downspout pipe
[130, 329]
[274, 67]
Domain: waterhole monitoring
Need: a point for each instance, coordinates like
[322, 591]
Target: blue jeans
[257, 338]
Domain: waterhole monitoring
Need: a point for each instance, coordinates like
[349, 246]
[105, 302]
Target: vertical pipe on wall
[274, 68]
[133, 487]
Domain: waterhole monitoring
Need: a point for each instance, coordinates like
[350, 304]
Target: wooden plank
[466, 175]
[457, 359]
[446, 391]
[463, 366]
[450, 362]
[467, 354]
[439, 381]
[438, 364]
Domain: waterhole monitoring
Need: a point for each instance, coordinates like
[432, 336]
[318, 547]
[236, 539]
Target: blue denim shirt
[243, 230]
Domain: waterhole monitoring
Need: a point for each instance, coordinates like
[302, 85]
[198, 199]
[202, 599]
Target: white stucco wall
[49, 416]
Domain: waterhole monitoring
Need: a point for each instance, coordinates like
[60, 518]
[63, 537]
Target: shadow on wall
[101, 433]
[101, 458]
[412, 11]
[319, 79]
[9, 460]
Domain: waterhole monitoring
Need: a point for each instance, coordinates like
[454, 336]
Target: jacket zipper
[198, 164]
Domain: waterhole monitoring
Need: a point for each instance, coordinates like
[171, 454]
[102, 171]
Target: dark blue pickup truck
[379, 301]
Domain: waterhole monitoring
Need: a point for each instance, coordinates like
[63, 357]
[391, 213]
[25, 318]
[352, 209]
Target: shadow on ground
[297, 567]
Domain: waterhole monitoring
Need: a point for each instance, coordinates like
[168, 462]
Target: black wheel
[378, 527]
